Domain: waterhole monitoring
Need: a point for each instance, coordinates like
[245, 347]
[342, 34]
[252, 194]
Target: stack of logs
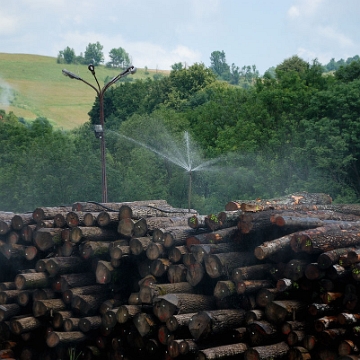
[263, 279]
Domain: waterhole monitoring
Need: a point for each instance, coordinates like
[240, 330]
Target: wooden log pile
[263, 279]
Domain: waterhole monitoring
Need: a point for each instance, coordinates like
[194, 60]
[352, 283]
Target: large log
[67, 281]
[47, 213]
[55, 338]
[167, 305]
[25, 324]
[47, 307]
[149, 293]
[217, 265]
[325, 238]
[138, 245]
[267, 352]
[65, 265]
[205, 323]
[92, 233]
[46, 239]
[69, 294]
[290, 201]
[32, 280]
[222, 352]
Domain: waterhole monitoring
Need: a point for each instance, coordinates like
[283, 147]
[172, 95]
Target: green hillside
[32, 86]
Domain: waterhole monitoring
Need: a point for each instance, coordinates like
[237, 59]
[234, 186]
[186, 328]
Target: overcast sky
[159, 33]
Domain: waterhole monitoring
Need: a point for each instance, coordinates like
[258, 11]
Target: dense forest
[296, 128]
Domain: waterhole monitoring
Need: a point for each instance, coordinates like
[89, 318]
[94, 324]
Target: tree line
[296, 129]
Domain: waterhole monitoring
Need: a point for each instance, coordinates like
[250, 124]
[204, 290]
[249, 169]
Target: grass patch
[33, 86]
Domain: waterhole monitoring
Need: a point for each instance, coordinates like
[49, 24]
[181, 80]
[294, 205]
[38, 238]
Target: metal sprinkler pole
[189, 191]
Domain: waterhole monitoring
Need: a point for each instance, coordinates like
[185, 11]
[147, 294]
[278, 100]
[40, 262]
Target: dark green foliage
[295, 129]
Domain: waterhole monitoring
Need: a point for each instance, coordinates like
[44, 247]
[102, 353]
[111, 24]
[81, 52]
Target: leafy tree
[118, 58]
[349, 72]
[177, 66]
[93, 54]
[219, 65]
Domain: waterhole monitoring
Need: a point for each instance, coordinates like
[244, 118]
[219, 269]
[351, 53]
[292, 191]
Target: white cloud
[329, 33]
[8, 24]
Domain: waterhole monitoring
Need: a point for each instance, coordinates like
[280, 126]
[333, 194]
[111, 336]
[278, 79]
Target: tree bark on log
[72, 337]
[222, 352]
[283, 202]
[69, 294]
[223, 264]
[252, 272]
[138, 245]
[45, 238]
[65, 265]
[23, 325]
[205, 323]
[267, 352]
[171, 304]
[325, 238]
[68, 281]
[127, 312]
[45, 307]
[32, 280]
[149, 293]
[89, 323]
[92, 233]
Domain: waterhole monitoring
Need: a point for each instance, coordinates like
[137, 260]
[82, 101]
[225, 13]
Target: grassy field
[33, 86]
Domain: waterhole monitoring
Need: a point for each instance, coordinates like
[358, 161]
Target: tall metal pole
[103, 150]
[100, 94]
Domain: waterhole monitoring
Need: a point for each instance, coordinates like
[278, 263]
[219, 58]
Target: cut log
[177, 273]
[223, 264]
[262, 332]
[267, 352]
[205, 323]
[55, 338]
[71, 324]
[290, 201]
[254, 315]
[7, 311]
[69, 294]
[118, 249]
[65, 265]
[46, 307]
[5, 226]
[32, 280]
[23, 325]
[139, 245]
[89, 323]
[68, 281]
[325, 238]
[45, 238]
[224, 289]
[79, 218]
[59, 317]
[167, 305]
[276, 246]
[47, 213]
[9, 296]
[87, 305]
[248, 286]
[149, 293]
[253, 272]
[107, 218]
[175, 254]
[127, 312]
[202, 250]
[222, 352]
[18, 221]
[195, 273]
[92, 233]
[155, 251]
[100, 249]
[176, 322]
[176, 236]
[279, 311]
[146, 324]
[159, 267]
[329, 258]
